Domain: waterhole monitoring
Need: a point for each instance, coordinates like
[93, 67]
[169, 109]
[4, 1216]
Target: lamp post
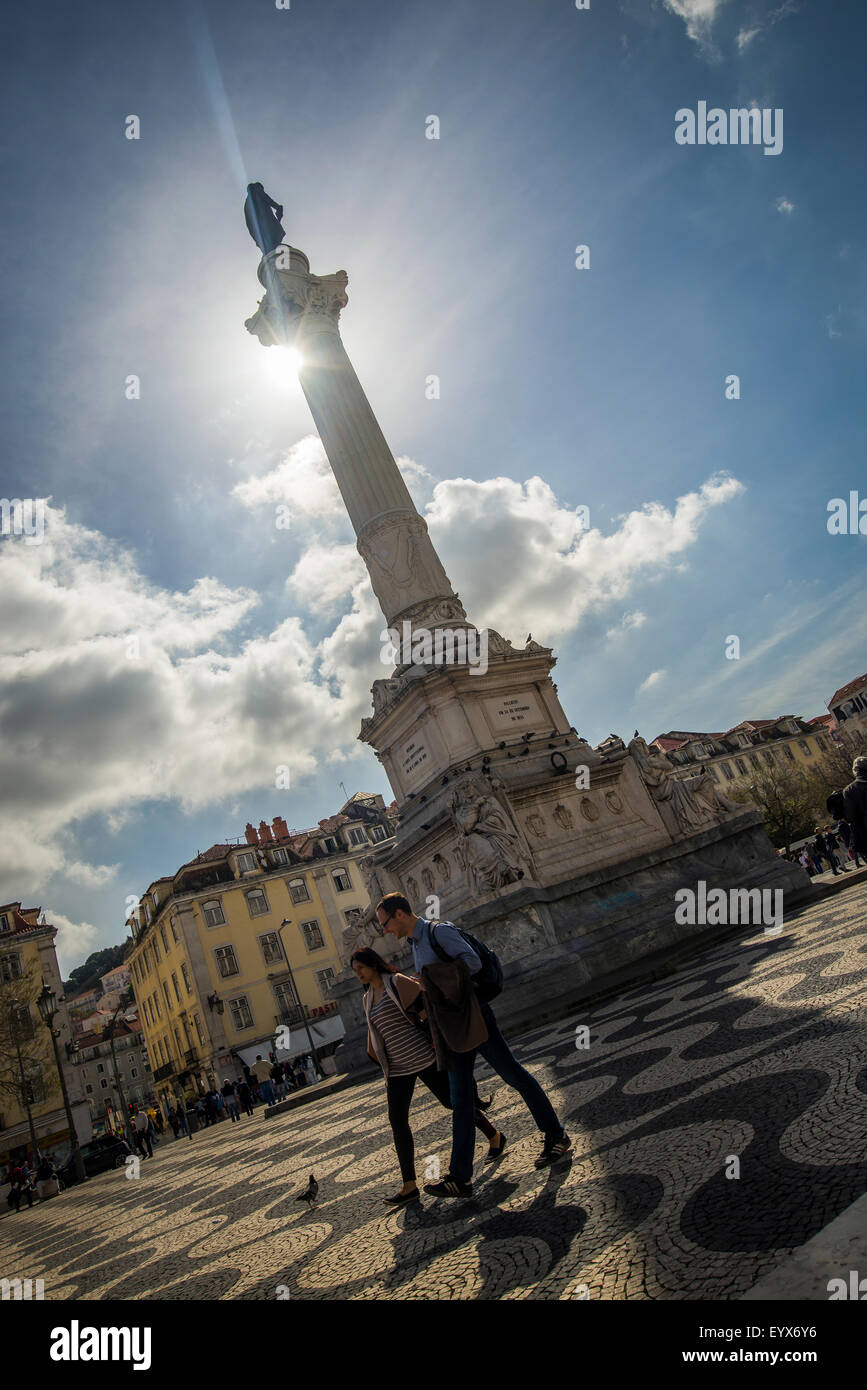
[25, 1085]
[47, 1006]
[108, 1035]
[313, 1050]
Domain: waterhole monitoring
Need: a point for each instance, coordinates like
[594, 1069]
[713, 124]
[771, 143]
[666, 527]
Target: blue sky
[258, 646]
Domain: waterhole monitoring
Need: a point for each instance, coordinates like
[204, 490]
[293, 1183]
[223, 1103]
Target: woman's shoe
[496, 1150]
[401, 1199]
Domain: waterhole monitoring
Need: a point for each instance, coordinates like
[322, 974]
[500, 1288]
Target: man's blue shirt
[448, 939]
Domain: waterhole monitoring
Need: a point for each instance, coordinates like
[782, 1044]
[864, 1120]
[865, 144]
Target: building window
[104, 1085]
[165, 940]
[280, 856]
[805, 748]
[342, 881]
[168, 996]
[156, 951]
[330, 845]
[89, 1090]
[257, 902]
[226, 962]
[286, 997]
[357, 836]
[789, 754]
[4, 922]
[741, 765]
[377, 833]
[769, 756]
[187, 986]
[312, 936]
[156, 999]
[10, 968]
[822, 742]
[175, 937]
[213, 913]
[246, 862]
[147, 908]
[100, 1067]
[324, 979]
[298, 891]
[727, 770]
[270, 945]
[176, 987]
[239, 1012]
[133, 1073]
[754, 760]
[198, 1027]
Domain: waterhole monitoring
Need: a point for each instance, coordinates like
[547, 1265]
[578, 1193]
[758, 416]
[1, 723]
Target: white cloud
[302, 479]
[745, 37]
[653, 679]
[698, 16]
[783, 205]
[749, 32]
[526, 564]
[74, 941]
[628, 623]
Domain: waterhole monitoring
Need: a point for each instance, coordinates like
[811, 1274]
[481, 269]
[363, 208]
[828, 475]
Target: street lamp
[215, 1002]
[108, 1034]
[47, 1006]
[315, 1054]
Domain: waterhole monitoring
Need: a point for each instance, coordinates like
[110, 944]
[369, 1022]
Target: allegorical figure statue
[489, 847]
[692, 800]
[264, 218]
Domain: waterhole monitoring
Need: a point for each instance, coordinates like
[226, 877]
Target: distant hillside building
[93, 1063]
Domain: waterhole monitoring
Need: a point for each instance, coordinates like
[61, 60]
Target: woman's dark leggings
[399, 1090]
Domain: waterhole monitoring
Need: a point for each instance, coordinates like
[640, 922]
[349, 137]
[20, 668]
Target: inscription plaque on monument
[506, 711]
[414, 760]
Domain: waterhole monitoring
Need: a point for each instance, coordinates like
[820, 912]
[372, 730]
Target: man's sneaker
[449, 1187]
[554, 1149]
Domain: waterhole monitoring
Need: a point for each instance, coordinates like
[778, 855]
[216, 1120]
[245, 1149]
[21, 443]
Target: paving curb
[835, 1252]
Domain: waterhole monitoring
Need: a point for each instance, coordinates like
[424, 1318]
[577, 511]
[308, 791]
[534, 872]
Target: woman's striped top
[406, 1047]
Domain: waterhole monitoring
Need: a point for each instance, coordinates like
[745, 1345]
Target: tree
[787, 799]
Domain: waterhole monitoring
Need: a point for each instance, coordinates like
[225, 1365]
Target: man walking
[855, 803]
[396, 917]
[262, 1072]
[142, 1134]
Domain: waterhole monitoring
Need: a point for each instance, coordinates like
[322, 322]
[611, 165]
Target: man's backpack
[835, 805]
[489, 981]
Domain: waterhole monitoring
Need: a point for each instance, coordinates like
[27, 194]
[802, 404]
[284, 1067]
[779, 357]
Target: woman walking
[401, 1045]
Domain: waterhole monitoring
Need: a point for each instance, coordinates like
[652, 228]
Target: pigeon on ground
[310, 1192]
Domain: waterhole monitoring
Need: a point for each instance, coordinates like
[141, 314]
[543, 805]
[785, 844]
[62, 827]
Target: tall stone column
[302, 310]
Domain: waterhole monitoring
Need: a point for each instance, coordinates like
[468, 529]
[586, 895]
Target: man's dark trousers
[498, 1055]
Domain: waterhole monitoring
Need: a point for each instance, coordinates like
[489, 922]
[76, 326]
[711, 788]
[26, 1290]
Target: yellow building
[736, 756]
[28, 1071]
[244, 938]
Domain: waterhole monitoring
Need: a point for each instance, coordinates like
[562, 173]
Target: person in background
[245, 1096]
[174, 1122]
[230, 1100]
[142, 1127]
[262, 1072]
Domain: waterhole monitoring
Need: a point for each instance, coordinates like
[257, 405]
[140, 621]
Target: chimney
[251, 836]
[281, 829]
[265, 836]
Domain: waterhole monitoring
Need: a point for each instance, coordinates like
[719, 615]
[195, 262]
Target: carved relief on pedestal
[427, 879]
[491, 844]
[613, 802]
[537, 825]
[588, 810]
[563, 816]
[690, 803]
[444, 868]
[411, 886]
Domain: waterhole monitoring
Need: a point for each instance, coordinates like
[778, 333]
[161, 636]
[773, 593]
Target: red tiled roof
[849, 689]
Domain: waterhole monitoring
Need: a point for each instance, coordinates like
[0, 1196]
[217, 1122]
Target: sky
[165, 645]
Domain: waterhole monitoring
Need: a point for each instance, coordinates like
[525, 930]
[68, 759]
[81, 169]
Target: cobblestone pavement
[757, 1049]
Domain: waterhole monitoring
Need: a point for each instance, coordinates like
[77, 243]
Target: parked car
[108, 1151]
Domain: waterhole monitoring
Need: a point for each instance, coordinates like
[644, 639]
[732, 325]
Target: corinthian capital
[294, 297]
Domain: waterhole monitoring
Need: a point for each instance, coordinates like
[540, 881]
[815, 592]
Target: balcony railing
[162, 1073]
[303, 1013]
[191, 1057]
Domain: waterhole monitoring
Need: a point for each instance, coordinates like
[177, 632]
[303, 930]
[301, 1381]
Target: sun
[282, 365]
